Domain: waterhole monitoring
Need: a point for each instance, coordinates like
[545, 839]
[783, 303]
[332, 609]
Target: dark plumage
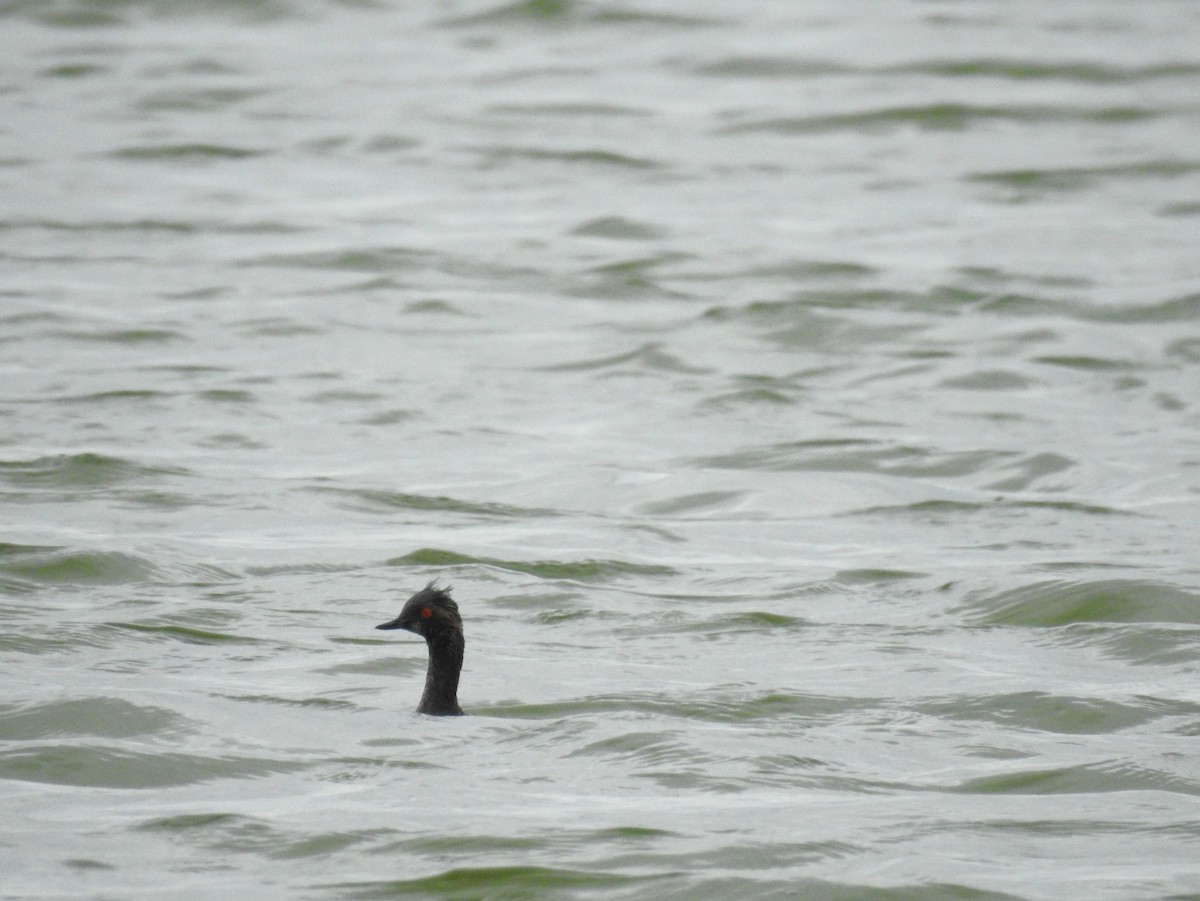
[432, 614]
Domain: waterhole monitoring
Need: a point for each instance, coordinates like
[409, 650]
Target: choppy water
[801, 398]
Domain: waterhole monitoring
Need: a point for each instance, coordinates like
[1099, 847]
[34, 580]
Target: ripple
[647, 358]
[1081, 177]
[1185, 209]
[382, 501]
[186, 634]
[1175, 309]
[876, 576]
[990, 380]
[574, 12]
[300, 567]
[798, 309]
[136, 396]
[940, 510]
[1089, 363]
[691, 503]
[936, 117]
[1084, 779]
[772, 67]
[108, 767]
[74, 70]
[582, 570]
[1045, 712]
[641, 748]
[473, 843]
[186, 152]
[323, 843]
[97, 716]
[490, 882]
[305, 703]
[723, 708]
[234, 833]
[61, 566]
[86, 864]
[373, 666]
[570, 110]
[1138, 643]
[591, 157]
[198, 99]
[753, 621]
[856, 455]
[740, 400]
[74, 14]
[85, 470]
[1031, 70]
[148, 226]
[362, 259]
[630, 278]
[189, 821]
[812, 270]
[1031, 469]
[130, 336]
[227, 396]
[1060, 603]
[618, 228]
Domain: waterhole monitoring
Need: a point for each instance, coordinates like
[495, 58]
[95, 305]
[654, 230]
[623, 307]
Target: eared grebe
[432, 614]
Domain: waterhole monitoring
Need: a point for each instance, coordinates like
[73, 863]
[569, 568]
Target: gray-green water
[800, 397]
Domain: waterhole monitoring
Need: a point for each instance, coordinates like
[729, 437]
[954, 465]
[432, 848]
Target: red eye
[426, 613]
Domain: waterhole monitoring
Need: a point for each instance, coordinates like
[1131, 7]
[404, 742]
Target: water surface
[799, 397]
